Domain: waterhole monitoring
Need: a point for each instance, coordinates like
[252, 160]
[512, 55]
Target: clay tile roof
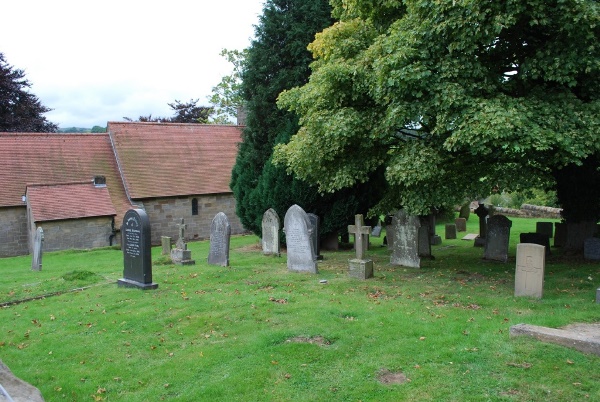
[167, 159]
[51, 158]
[49, 202]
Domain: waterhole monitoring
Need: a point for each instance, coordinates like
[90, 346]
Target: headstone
[591, 248]
[497, 239]
[536, 238]
[301, 256]
[180, 255]
[560, 234]
[434, 239]
[545, 228]
[220, 236]
[270, 233]
[165, 242]
[482, 212]
[38, 245]
[465, 211]
[376, 231]
[424, 241]
[390, 232]
[598, 295]
[461, 224]
[451, 231]
[406, 240]
[137, 258]
[315, 222]
[360, 267]
[529, 274]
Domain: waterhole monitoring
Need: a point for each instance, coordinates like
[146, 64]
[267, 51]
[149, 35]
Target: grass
[254, 331]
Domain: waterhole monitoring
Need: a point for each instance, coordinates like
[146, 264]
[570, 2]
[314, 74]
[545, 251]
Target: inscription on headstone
[270, 233]
[38, 245]
[497, 239]
[137, 258]
[220, 235]
[300, 253]
[406, 240]
[529, 274]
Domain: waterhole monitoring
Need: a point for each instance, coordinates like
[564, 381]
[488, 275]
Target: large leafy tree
[227, 94]
[454, 98]
[20, 110]
[278, 59]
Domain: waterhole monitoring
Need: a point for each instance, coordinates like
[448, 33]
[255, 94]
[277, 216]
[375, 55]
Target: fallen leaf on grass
[280, 301]
[569, 361]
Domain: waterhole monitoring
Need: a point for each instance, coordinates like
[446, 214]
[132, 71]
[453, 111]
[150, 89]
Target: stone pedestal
[360, 269]
[182, 257]
[129, 283]
[479, 241]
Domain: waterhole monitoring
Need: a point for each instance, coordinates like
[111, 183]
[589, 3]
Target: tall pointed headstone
[137, 258]
[38, 243]
[270, 233]
[220, 235]
[301, 256]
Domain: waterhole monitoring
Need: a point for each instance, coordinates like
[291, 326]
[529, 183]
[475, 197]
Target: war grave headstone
[529, 273]
[137, 258]
[360, 267]
[536, 238]
[450, 231]
[482, 212]
[497, 239]
[465, 211]
[425, 238]
[270, 233]
[461, 224]
[406, 240]
[591, 248]
[180, 255]
[315, 222]
[300, 253]
[220, 237]
[560, 234]
[165, 242]
[545, 228]
[38, 245]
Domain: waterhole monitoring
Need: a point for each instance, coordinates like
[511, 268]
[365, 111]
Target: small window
[194, 206]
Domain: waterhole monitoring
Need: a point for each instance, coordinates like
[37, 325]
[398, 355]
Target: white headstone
[38, 242]
[529, 274]
[270, 233]
[300, 253]
[406, 240]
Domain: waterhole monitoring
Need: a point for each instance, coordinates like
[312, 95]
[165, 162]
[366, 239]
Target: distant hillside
[95, 129]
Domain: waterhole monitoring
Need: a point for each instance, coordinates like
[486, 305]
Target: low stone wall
[530, 211]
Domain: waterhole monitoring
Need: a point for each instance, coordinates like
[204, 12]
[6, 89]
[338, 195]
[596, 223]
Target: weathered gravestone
[560, 234]
[220, 236]
[529, 274]
[315, 222]
[536, 238]
[591, 248]
[544, 228]
[461, 224]
[406, 240]
[376, 231]
[482, 212]
[165, 242]
[300, 253]
[450, 231]
[465, 211]
[38, 245]
[180, 255]
[270, 233]
[498, 236]
[15, 389]
[137, 259]
[360, 267]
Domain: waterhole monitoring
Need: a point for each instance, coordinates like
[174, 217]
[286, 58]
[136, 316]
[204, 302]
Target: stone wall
[166, 213]
[84, 233]
[13, 231]
[530, 211]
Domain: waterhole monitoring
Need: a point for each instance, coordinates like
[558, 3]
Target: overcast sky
[97, 61]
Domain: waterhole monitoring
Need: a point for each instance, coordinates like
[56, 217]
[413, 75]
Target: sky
[98, 61]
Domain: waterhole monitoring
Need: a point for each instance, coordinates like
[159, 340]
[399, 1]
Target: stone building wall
[83, 233]
[166, 213]
[13, 231]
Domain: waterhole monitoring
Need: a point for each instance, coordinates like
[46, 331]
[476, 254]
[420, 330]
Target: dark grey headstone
[270, 233]
[591, 248]
[315, 233]
[560, 234]
[137, 258]
[544, 228]
[541, 239]
[461, 224]
[220, 235]
[406, 240]
[450, 231]
[482, 212]
[497, 239]
[301, 256]
[38, 245]
[424, 241]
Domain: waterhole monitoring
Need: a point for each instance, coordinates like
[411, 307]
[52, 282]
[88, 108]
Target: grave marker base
[128, 283]
[360, 269]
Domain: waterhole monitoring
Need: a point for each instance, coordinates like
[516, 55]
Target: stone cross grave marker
[180, 255]
[545, 228]
[498, 236]
[406, 238]
[482, 212]
[137, 259]
[220, 236]
[450, 231]
[529, 274]
[315, 222]
[38, 245]
[461, 224]
[301, 256]
[360, 267]
[270, 233]
[181, 240]
[591, 248]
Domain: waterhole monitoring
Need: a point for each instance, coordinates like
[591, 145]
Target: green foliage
[452, 97]
[20, 110]
[98, 129]
[227, 97]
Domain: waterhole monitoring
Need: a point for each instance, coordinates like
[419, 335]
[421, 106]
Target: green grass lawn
[254, 331]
